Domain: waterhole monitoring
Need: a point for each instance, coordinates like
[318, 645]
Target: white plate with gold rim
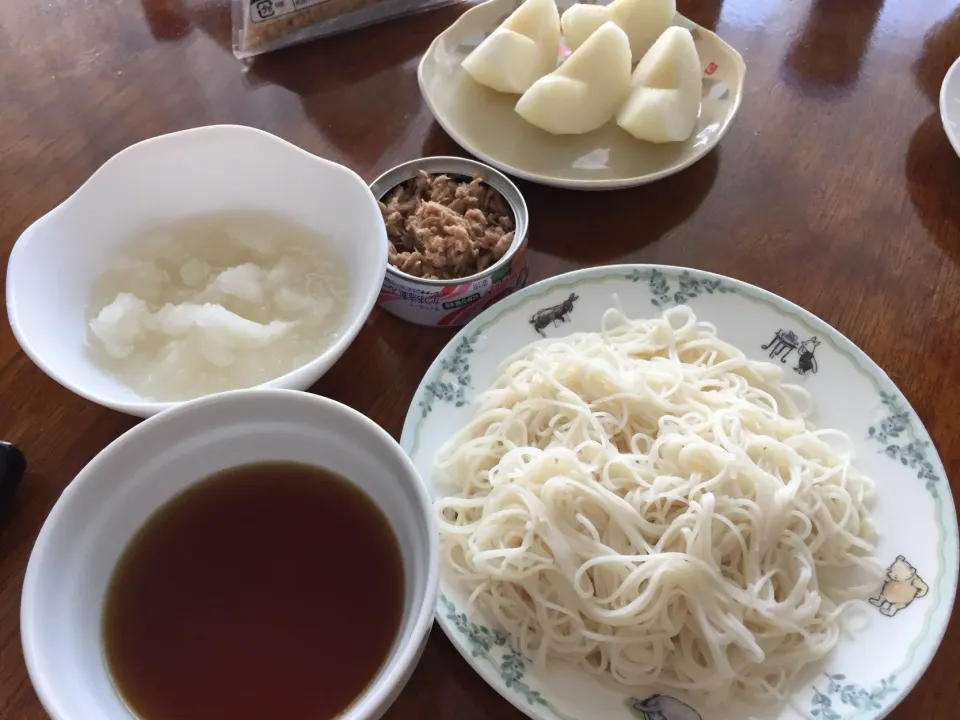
[868, 673]
[484, 122]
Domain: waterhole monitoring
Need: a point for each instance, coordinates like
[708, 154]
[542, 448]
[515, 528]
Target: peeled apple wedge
[580, 22]
[670, 63]
[658, 116]
[585, 92]
[667, 85]
[519, 52]
[642, 20]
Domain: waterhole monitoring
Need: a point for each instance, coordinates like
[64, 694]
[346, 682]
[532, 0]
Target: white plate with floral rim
[866, 675]
[483, 121]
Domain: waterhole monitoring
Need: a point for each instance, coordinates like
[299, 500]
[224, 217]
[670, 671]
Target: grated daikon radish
[216, 302]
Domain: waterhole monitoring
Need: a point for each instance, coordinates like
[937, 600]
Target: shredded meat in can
[441, 228]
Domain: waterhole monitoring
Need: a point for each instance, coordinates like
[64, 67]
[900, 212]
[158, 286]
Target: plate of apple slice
[590, 96]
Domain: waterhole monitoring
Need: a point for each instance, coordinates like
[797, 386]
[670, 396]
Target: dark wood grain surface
[835, 188]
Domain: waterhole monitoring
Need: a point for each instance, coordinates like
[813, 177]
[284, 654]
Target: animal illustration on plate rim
[897, 433]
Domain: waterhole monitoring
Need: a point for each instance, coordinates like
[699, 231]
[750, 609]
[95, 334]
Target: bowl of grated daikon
[203, 261]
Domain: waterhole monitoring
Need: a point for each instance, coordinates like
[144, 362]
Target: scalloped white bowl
[56, 261]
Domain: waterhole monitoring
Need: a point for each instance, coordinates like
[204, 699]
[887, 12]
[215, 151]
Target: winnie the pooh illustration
[901, 588]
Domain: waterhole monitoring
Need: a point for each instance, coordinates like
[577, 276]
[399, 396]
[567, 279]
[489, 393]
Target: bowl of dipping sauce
[203, 261]
[253, 554]
[457, 234]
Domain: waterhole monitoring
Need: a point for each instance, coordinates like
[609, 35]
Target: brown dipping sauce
[271, 590]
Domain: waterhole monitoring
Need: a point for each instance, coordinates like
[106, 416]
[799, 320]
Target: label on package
[265, 10]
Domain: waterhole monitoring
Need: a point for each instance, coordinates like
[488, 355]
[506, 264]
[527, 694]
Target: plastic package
[260, 26]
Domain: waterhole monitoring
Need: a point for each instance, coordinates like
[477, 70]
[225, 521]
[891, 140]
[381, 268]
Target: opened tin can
[448, 303]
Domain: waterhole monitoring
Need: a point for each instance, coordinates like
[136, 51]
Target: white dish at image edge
[950, 104]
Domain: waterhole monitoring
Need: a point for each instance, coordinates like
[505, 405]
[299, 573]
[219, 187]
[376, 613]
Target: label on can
[461, 302]
[454, 304]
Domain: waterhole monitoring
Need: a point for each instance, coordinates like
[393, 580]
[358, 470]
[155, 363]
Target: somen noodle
[649, 503]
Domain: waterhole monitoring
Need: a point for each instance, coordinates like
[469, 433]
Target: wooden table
[836, 188]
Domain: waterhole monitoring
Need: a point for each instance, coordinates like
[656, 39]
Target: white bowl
[57, 260]
[111, 498]
[950, 104]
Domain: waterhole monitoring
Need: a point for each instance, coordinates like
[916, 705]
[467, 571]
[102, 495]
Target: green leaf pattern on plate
[451, 383]
[896, 433]
[841, 696]
[688, 288]
[492, 645]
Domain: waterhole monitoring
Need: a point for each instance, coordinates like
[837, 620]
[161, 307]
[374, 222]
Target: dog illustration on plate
[662, 707]
[903, 585]
[553, 315]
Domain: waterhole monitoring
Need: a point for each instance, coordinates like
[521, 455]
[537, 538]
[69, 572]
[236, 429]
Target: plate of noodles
[669, 495]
